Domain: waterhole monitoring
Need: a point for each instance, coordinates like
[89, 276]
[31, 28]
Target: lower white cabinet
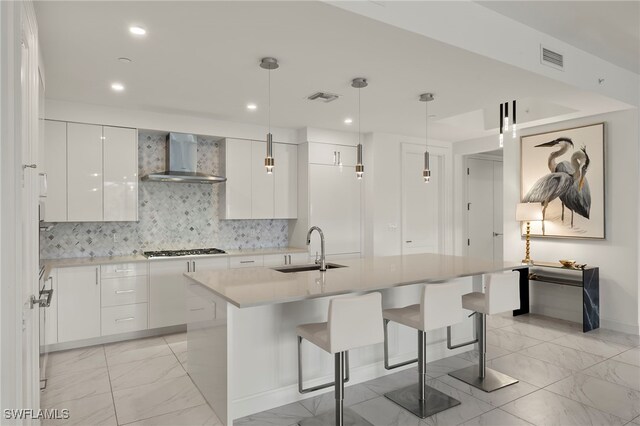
[286, 259]
[123, 319]
[167, 288]
[78, 303]
[245, 261]
[124, 291]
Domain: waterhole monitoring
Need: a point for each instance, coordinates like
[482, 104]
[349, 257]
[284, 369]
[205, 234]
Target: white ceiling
[608, 29]
[201, 58]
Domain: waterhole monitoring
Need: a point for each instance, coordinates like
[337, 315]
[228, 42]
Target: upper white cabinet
[332, 155]
[84, 172]
[92, 173]
[262, 183]
[286, 181]
[120, 174]
[55, 166]
[250, 192]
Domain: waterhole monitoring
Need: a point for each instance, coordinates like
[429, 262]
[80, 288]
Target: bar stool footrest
[492, 381]
[434, 402]
[350, 418]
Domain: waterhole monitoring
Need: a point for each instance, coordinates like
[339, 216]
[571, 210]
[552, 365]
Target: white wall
[383, 192]
[617, 255]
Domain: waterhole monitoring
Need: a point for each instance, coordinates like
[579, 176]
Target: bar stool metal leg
[339, 374]
[482, 377]
[420, 399]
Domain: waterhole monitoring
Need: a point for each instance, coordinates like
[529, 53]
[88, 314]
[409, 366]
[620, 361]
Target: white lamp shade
[528, 212]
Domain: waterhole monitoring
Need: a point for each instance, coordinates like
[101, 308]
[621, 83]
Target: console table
[588, 278]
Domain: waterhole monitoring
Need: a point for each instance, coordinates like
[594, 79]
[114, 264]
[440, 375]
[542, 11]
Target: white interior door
[422, 203]
[498, 223]
[484, 209]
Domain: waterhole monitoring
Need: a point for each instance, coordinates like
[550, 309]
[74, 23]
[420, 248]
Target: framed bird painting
[564, 171]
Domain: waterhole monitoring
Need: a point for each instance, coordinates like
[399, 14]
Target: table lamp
[528, 212]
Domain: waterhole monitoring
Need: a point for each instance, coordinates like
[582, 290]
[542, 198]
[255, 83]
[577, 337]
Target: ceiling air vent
[550, 58]
[325, 97]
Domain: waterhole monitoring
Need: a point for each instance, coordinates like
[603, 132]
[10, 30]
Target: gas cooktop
[185, 252]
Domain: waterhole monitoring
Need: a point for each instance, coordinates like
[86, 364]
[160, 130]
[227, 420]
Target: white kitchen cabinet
[78, 303]
[286, 181]
[124, 291]
[250, 192]
[285, 259]
[55, 169]
[262, 183]
[235, 197]
[84, 172]
[334, 206]
[124, 319]
[332, 155]
[120, 184]
[167, 288]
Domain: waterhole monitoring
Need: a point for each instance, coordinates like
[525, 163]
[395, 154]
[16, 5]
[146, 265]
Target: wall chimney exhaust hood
[182, 162]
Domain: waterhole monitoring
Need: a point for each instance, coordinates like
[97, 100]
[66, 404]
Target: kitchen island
[241, 324]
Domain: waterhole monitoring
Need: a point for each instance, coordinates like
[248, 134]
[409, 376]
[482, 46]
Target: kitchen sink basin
[303, 268]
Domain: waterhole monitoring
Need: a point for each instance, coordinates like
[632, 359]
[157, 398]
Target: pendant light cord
[269, 102]
[359, 116]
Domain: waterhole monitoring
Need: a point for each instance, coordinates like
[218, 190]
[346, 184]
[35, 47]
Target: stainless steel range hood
[182, 162]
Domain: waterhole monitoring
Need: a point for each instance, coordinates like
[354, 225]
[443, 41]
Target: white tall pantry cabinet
[92, 173]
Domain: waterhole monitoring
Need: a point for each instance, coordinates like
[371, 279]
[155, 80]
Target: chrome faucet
[323, 264]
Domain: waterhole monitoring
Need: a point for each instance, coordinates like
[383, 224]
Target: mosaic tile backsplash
[171, 216]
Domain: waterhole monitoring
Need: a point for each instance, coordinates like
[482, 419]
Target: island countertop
[258, 286]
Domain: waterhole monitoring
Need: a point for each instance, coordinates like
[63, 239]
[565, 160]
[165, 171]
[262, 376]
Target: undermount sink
[303, 268]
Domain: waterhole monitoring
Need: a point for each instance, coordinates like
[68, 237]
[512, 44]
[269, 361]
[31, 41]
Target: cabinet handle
[196, 309]
[125, 319]
[247, 261]
[409, 241]
[188, 266]
[194, 266]
[96, 276]
[289, 259]
[124, 291]
[335, 158]
[285, 259]
[123, 270]
[339, 159]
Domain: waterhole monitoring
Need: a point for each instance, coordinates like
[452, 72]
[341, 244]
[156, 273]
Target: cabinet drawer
[123, 270]
[122, 319]
[200, 308]
[124, 291]
[245, 261]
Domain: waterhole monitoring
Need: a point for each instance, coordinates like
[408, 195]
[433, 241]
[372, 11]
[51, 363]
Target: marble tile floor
[566, 378]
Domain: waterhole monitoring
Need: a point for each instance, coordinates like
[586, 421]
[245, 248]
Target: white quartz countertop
[264, 286]
[50, 264]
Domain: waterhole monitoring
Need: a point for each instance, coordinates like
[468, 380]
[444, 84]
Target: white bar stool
[439, 307]
[501, 294]
[354, 322]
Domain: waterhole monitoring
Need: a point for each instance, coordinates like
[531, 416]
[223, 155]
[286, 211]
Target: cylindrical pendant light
[506, 116]
[514, 119]
[426, 172]
[269, 162]
[359, 83]
[500, 125]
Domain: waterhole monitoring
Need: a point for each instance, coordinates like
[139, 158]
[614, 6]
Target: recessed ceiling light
[348, 121]
[137, 30]
[125, 60]
[118, 87]
[252, 106]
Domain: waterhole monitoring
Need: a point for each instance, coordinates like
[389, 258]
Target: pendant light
[426, 172]
[359, 83]
[501, 124]
[269, 64]
[514, 119]
[506, 116]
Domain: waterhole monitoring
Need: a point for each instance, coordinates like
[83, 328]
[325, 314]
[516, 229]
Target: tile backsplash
[171, 216]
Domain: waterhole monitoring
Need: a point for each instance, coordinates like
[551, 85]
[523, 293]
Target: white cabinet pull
[194, 266]
[247, 261]
[123, 270]
[96, 276]
[124, 291]
[196, 309]
[125, 319]
[188, 266]
[289, 259]
[339, 159]
[335, 158]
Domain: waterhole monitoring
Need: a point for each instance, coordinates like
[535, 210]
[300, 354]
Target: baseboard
[575, 316]
[619, 326]
[113, 338]
[287, 394]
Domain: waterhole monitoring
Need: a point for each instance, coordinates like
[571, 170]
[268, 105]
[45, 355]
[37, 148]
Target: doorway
[484, 206]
